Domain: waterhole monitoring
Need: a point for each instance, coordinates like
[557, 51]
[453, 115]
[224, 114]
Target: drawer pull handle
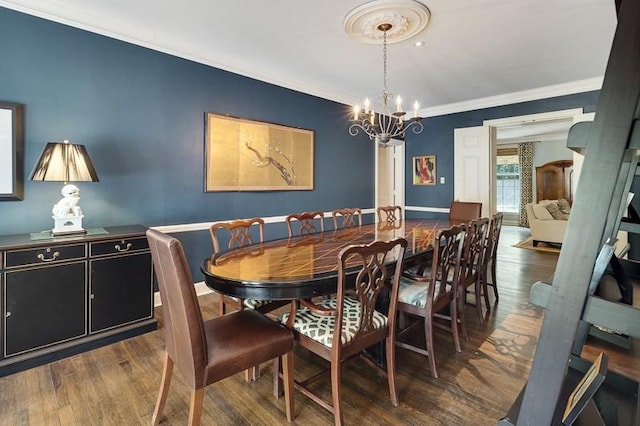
[120, 249]
[53, 257]
[7, 315]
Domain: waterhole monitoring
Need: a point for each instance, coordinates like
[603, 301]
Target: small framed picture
[424, 170]
[585, 390]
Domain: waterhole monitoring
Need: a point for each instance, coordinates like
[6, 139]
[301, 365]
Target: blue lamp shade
[64, 162]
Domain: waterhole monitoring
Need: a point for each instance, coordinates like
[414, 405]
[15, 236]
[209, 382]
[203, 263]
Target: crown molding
[55, 11]
[570, 88]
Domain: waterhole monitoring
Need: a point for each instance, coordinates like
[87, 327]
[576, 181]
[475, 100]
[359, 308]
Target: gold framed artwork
[424, 170]
[248, 155]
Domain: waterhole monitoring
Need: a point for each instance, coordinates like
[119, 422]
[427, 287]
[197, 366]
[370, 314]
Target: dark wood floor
[117, 384]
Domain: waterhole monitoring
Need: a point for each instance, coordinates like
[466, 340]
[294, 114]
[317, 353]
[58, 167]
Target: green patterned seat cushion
[255, 304]
[320, 328]
[414, 292]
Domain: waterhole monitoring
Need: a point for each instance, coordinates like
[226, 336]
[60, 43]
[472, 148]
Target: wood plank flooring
[118, 384]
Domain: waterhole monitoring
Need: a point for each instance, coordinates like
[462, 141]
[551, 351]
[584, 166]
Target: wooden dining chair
[464, 211]
[389, 214]
[472, 263]
[205, 352]
[306, 223]
[362, 326]
[349, 217]
[490, 256]
[434, 296]
[240, 235]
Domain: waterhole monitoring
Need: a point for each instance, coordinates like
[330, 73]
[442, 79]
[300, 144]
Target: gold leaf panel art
[247, 155]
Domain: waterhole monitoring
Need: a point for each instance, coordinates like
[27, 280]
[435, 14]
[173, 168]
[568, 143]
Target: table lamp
[65, 162]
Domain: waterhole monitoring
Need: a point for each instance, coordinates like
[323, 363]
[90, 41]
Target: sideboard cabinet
[64, 295]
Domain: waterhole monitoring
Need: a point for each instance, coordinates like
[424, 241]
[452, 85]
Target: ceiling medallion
[386, 22]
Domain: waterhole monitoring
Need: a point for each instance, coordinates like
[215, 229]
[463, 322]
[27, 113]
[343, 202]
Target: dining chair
[389, 214]
[205, 352]
[434, 296]
[348, 216]
[472, 263]
[362, 326]
[239, 233]
[306, 222]
[464, 211]
[490, 257]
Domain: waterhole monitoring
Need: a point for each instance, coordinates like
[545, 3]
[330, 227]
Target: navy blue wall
[140, 114]
[437, 139]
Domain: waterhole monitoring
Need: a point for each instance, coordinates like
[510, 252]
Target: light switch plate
[442, 180]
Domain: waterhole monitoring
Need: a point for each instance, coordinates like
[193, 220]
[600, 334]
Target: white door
[472, 166]
[390, 175]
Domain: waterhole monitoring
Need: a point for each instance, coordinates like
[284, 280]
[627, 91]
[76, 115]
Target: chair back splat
[473, 261]
[349, 217]
[306, 221]
[208, 351]
[389, 214]
[239, 233]
[490, 257]
[371, 268]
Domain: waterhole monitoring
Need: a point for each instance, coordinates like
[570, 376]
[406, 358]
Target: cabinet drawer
[126, 245]
[44, 255]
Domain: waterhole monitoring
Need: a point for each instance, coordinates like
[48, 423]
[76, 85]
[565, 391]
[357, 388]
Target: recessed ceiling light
[419, 43]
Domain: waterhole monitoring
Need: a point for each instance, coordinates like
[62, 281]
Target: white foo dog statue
[68, 206]
[67, 214]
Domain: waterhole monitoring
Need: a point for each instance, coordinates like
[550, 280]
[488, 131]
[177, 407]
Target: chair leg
[277, 383]
[336, 392]
[477, 287]
[458, 313]
[165, 384]
[195, 409]
[428, 336]
[485, 289]
[391, 369]
[287, 375]
[252, 374]
[494, 279]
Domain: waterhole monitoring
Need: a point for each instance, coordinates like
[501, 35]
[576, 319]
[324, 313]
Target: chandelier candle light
[397, 20]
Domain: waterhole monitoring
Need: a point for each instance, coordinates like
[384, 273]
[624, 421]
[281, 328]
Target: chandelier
[388, 125]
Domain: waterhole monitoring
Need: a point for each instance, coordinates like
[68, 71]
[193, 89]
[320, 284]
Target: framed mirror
[11, 152]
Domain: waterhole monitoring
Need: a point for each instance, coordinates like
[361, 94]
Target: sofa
[548, 220]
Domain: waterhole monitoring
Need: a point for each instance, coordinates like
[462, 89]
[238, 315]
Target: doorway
[497, 133]
[390, 179]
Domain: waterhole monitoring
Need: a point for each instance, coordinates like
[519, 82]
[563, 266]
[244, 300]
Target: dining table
[306, 266]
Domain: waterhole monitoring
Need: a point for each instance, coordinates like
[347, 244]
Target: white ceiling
[477, 53]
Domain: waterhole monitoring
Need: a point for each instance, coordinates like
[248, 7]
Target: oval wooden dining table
[306, 266]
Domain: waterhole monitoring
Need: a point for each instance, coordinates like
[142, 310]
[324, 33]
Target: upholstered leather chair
[434, 296]
[306, 223]
[362, 326]
[473, 262]
[389, 214]
[464, 211]
[205, 352]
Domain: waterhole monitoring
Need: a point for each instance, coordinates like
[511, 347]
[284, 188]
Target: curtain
[525, 160]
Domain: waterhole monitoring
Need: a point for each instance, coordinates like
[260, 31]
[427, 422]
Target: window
[508, 180]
